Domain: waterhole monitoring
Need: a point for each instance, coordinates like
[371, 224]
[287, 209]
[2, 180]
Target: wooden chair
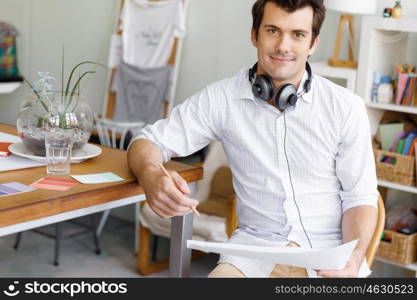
[376, 237]
[116, 135]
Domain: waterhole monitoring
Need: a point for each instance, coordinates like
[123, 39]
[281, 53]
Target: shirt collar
[245, 88]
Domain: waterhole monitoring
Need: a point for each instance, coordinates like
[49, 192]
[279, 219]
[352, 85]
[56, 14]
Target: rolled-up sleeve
[355, 165]
[190, 126]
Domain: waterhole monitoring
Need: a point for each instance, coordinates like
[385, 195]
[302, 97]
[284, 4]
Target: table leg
[180, 255]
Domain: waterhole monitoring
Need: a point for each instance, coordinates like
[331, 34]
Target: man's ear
[254, 38]
[314, 45]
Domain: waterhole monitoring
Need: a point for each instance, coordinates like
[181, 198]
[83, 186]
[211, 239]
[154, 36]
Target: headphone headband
[307, 83]
[285, 96]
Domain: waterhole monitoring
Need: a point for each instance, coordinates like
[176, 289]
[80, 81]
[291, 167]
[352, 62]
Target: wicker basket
[415, 153]
[403, 172]
[402, 248]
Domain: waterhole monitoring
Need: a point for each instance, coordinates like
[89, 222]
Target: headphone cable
[292, 187]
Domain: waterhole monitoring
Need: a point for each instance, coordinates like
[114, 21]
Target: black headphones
[286, 96]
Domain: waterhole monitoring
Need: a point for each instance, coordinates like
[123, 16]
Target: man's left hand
[350, 270]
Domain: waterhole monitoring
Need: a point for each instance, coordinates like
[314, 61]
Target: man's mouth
[281, 59]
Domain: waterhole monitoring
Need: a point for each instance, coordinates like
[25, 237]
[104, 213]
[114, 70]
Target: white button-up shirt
[328, 146]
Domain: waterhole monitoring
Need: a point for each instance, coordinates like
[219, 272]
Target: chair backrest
[113, 134]
[376, 237]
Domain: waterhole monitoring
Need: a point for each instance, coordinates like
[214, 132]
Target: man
[304, 176]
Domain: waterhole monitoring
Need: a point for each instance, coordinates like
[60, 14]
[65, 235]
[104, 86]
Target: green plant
[44, 90]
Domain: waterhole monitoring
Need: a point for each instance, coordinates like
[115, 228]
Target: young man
[302, 165]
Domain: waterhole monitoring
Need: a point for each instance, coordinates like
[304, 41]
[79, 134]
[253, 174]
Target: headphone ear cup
[262, 87]
[286, 96]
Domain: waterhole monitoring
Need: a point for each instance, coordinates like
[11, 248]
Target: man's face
[284, 43]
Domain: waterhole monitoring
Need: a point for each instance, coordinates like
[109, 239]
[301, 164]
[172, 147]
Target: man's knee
[226, 270]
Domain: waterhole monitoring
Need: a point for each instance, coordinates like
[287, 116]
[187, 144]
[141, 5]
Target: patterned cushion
[8, 61]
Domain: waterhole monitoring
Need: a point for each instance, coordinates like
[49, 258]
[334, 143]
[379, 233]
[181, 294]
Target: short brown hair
[319, 12]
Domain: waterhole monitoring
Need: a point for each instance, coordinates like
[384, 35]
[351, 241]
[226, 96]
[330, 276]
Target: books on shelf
[406, 87]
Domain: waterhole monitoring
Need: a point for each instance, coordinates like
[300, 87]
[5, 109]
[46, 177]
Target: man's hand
[350, 270]
[165, 198]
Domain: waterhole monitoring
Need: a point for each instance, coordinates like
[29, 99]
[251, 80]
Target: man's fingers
[173, 206]
[168, 200]
[180, 183]
[177, 196]
[159, 210]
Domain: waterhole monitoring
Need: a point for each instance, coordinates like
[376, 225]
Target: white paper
[97, 178]
[14, 162]
[9, 138]
[318, 259]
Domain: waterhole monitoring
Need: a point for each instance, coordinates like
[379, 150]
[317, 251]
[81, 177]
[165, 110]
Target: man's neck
[296, 81]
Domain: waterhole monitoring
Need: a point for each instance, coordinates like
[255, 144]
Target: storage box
[402, 171]
[401, 249]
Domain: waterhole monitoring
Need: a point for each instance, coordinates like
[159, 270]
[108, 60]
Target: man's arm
[358, 223]
[355, 169]
[164, 197]
[190, 126]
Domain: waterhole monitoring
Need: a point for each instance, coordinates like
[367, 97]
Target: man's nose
[283, 44]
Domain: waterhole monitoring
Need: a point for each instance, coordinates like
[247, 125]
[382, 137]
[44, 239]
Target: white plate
[77, 156]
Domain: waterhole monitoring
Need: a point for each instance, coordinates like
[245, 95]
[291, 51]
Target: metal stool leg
[95, 235]
[137, 214]
[17, 242]
[102, 222]
[57, 243]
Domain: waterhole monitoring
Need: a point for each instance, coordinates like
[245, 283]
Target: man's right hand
[166, 198]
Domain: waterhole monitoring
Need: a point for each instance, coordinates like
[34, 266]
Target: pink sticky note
[54, 183]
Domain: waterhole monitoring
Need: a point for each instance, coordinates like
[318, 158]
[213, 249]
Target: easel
[174, 60]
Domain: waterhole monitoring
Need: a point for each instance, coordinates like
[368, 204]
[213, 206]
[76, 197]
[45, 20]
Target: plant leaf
[75, 87]
[73, 70]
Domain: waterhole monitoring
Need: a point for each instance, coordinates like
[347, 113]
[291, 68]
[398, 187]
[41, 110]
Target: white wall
[217, 43]
[218, 40]
[83, 27]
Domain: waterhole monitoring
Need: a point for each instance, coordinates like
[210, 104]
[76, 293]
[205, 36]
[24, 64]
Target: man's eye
[272, 30]
[299, 35]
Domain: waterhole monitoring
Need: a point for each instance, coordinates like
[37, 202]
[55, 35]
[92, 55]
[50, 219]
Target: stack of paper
[318, 259]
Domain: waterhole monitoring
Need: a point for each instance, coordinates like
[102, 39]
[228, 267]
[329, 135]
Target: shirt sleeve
[191, 126]
[355, 164]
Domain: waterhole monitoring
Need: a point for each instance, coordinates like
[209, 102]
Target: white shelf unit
[9, 87]
[398, 187]
[412, 267]
[323, 69]
[393, 107]
[384, 43]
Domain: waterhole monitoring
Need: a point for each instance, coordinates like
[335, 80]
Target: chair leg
[17, 242]
[154, 247]
[57, 243]
[102, 222]
[95, 235]
[144, 266]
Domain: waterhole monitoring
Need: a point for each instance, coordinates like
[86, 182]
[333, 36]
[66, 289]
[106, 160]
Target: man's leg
[225, 270]
[282, 271]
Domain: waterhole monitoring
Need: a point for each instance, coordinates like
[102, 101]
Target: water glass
[58, 146]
